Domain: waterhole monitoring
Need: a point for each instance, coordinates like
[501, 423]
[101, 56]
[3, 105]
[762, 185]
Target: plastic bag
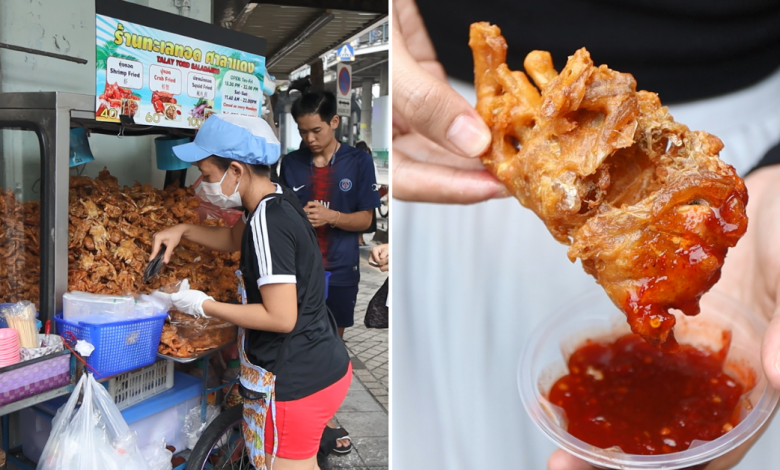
[96, 308]
[92, 437]
[194, 427]
[157, 456]
[53, 345]
[21, 317]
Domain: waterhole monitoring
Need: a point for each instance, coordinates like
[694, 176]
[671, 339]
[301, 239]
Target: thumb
[432, 108]
[562, 460]
[770, 352]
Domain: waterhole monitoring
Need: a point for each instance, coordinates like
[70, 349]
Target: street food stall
[68, 239]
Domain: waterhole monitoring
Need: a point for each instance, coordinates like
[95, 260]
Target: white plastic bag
[92, 437]
[157, 456]
[194, 427]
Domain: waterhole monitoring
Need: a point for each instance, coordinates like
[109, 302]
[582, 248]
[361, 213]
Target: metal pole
[43, 53]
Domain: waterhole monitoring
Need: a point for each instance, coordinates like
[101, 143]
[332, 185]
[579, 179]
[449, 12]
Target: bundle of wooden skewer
[21, 317]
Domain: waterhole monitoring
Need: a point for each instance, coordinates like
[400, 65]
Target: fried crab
[645, 203]
[110, 237]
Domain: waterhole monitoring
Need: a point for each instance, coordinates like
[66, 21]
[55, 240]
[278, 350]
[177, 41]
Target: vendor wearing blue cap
[289, 346]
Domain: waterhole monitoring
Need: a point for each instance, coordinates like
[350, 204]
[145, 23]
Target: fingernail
[469, 134]
[503, 192]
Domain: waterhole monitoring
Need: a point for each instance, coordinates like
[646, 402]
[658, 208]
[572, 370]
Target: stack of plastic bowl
[9, 347]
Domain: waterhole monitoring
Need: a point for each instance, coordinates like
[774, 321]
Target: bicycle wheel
[221, 446]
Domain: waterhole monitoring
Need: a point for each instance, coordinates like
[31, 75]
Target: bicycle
[221, 446]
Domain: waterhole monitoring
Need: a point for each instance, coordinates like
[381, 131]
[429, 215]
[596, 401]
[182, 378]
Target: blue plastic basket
[327, 282]
[119, 346]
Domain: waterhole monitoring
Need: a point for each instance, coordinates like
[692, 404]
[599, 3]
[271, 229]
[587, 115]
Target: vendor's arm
[223, 239]
[320, 215]
[277, 313]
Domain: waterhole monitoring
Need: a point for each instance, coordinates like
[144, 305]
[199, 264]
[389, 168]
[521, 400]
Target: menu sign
[164, 79]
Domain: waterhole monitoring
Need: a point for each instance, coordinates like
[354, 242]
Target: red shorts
[299, 423]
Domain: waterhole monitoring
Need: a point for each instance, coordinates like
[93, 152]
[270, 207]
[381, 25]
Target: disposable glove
[160, 300]
[190, 301]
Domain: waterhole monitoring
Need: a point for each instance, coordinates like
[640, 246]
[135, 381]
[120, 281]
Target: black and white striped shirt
[279, 246]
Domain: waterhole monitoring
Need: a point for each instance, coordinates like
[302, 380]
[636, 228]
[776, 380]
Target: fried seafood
[643, 202]
[173, 345]
[110, 238]
[19, 249]
[185, 336]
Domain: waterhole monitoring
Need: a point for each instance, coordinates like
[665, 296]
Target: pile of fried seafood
[645, 203]
[110, 239]
[20, 269]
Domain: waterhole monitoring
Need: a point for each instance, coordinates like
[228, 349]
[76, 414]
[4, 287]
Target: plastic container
[25, 379]
[119, 346]
[159, 416]
[143, 309]
[593, 316]
[137, 385]
[80, 153]
[166, 159]
[212, 336]
[96, 308]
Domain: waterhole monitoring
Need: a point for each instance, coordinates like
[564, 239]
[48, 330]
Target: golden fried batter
[644, 202]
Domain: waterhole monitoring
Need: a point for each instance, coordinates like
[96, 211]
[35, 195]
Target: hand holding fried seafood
[644, 202]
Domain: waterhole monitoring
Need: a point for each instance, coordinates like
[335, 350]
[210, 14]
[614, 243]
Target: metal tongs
[155, 266]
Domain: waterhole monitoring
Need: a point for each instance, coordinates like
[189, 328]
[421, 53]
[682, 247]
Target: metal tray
[200, 355]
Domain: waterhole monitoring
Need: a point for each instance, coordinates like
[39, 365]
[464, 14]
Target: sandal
[328, 442]
[343, 450]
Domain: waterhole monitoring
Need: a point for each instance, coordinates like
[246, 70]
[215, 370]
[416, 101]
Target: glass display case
[34, 190]
[34, 143]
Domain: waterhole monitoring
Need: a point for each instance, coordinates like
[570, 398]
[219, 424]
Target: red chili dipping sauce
[631, 395]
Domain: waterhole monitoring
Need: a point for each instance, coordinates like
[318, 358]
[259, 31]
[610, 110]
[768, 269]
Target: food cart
[181, 72]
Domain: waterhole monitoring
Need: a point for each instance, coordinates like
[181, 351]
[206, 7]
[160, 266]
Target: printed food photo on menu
[584, 236]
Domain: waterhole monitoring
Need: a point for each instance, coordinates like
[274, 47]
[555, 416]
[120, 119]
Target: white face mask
[212, 192]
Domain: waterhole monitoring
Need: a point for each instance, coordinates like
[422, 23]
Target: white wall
[381, 121]
[68, 27]
[293, 137]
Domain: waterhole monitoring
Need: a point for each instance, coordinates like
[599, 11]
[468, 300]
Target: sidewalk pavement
[364, 411]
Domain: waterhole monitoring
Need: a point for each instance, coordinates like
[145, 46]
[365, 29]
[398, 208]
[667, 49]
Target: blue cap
[246, 139]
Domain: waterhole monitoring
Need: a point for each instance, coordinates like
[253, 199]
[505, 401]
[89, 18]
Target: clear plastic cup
[593, 316]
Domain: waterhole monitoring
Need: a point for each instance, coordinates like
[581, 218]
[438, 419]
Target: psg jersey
[347, 184]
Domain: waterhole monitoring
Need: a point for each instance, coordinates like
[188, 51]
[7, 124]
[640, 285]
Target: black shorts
[341, 302]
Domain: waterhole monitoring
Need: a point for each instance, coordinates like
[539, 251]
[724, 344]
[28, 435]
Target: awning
[299, 31]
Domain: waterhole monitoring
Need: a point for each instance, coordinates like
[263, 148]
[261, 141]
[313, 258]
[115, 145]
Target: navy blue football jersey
[347, 184]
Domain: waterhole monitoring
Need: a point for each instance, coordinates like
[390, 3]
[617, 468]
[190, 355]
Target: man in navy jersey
[336, 185]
